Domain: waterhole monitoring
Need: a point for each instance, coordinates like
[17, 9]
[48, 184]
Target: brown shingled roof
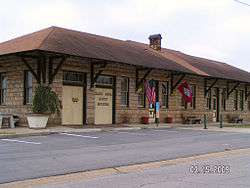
[75, 43]
[214, 68]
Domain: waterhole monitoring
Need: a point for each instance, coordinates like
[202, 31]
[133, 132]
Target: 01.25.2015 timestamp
[210, 169]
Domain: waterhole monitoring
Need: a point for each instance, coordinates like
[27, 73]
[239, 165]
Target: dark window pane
[28, 87]
[3, 89]
[165, 93]
[141, 98]
[124, 91]
[104, 80]
[70, 77]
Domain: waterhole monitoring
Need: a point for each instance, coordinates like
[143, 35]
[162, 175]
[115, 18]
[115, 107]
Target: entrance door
[72, 101]
[103, 106]
[216, 105]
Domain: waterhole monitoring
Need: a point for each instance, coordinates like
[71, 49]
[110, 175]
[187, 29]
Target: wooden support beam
[43, 65]
[101, 69]
[247, 93]
[174, 85]
[94, 76]
[29, 56]
[38, 64]
[136, 79]
[50, 67]
[139, 82]
[233, 88]
[205, 87]
[63, 59]
[206, 90]
[30, 69]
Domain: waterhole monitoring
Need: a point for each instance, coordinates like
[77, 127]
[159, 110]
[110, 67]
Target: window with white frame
[141, 98]
[236, 100]
[125, 91]
[193, 103]
[3, 88]
[241, 95]
[165, 94]
[28, 87]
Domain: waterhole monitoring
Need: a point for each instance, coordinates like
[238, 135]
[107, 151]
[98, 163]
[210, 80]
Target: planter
[145, 120]
[37, 121]
[169, 120]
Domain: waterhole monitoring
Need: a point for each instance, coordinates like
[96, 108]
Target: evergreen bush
[45, 100]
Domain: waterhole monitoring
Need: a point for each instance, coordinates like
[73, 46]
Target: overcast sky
[215, 29]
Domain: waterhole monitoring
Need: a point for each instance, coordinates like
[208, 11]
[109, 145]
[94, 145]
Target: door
[72, 101]
[103, 106]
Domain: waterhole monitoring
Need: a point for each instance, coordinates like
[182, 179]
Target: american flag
[150, 92]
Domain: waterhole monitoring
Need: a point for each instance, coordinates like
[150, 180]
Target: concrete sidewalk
[217, 128]
[25, 131]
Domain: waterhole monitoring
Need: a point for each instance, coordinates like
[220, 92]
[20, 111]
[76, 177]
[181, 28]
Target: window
[125, 91]
[224, 99]
[3, 89]
[193, 103]
[165, 94]
[73, 78]
[28, 79]
[141, 98]
[209, 100]
[215, 101]
[214, 104]
[248, 104]
[104, 80]
[241, 100]
[235, 100]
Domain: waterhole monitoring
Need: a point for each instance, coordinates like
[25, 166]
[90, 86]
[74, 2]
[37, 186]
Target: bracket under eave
[174, 85]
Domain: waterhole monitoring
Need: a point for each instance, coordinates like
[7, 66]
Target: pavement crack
[119, 172]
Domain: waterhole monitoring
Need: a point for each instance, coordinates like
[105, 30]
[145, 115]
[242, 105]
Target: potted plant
[45, 103]
[169, 119]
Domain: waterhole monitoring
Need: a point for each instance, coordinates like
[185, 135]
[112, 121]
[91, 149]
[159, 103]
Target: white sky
[215, 29]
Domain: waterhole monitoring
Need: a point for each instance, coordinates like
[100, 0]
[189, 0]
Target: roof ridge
[184, 63]
[163, 54]
[48, 35]
[25, 35]
[177, 51]
[91, 34]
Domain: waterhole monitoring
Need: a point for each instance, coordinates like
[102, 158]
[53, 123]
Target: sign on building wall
[103, 106]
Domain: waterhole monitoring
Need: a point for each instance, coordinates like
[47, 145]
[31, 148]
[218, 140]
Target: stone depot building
[99, 79]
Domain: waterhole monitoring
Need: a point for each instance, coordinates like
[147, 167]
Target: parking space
[20, 141]
[107, 137]
[64, 139]
[69, 152]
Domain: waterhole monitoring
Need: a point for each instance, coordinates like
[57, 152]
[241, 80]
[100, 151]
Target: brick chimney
[155, 42]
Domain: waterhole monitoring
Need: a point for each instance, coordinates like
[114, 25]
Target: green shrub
[45, 100]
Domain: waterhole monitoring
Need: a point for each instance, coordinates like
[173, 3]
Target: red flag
[186, 91]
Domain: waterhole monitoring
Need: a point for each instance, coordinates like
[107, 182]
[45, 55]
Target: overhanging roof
[75, 43]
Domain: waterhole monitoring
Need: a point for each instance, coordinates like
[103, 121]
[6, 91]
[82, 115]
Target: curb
[14, 135]
[25, 135]
[87, 130]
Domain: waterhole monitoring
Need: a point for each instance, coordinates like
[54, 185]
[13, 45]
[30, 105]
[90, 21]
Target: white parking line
[135, 133]
[21, 141]
[166, 131]
[77, 135]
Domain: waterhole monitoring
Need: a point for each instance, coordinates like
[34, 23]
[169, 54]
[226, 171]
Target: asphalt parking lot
[41, 156]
